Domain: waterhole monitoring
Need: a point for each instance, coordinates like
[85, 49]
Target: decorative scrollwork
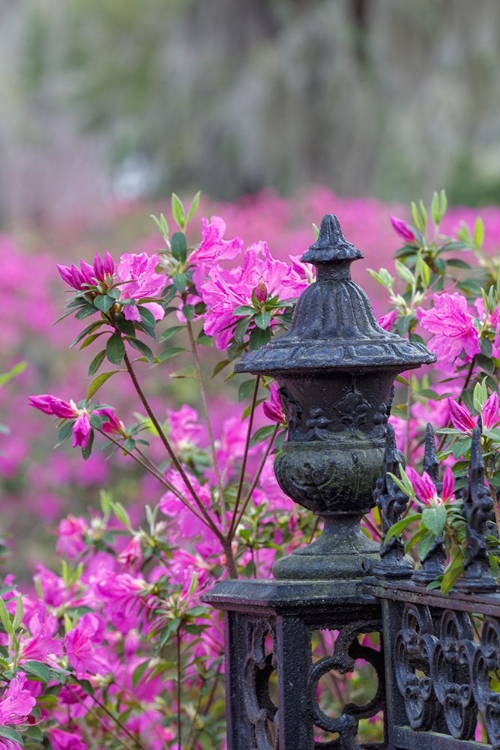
[346, 650]
[414, 645]
[259, 665]
[485, 663]
[451, 675]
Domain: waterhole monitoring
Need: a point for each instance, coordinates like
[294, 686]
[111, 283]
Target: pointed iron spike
[476, 466]
[480, 422]
[431, 463]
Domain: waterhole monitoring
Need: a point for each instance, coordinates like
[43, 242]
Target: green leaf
[115, 349]
[241, 329]
[170, 352]
[180, 281]
[103, 303]
[479, 232]
[98, 381]
[486, 346]
[10, 734]
[65, 431]
[178, 211]
[220, 366]
[436, 209]
[89, 329]
[193, 207]
[85, 311]
[139, 672]
[143, 348]
[434, 519]
[401, 525]
[262, 434]
[243, 310]
[405, 273]
[179, 247]
[86, 452]
[96, 362]
[426, 544]
[246, 389]
[170, 332]
[124, 326]
[121, 514]
[185, 372]
[36, 669]
[458, 263]
[259, 338]
[485, 363]
[5, 619]
[263, 319]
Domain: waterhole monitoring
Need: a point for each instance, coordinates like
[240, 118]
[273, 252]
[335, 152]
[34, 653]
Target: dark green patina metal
[335, 369]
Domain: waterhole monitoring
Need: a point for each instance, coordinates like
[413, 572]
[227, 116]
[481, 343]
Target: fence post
[335, 369]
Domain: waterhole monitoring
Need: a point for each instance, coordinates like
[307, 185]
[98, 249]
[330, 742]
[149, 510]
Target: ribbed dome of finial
[334, 327]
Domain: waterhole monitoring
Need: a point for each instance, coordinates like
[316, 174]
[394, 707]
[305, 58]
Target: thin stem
[179, 717]
[209, 426]
[245, 453]
[372, 528]
[117, 721]
[148, 466]
[159, 430]
[255, 479]
[408, 421]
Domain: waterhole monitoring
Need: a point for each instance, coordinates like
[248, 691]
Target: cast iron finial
[331, 244]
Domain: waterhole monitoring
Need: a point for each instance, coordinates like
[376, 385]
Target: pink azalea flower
[185, 427]
[212, 247]
[452, 325]
[81, 431]
[423, 486]
[62, 740]
[112, 425]
[72, 532]
[16, 703]
[401, 228]
[41, 645]
[490, 412]
[131, 556]
[53, 406]
[225, 290]
[81, 647]
[87, 276]
[460, 417]
[272, 408]
[386, 321]
[447, 492]
[139, 271]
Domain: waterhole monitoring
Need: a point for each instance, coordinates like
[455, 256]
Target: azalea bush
[114, 647]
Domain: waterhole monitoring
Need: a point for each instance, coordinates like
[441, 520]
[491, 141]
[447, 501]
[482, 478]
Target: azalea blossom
[402, 229]
[273, 408]
[452, 325]
[462, 419]
[386, 321]
[425, 489]
[88, 276]
[213, 247]
[142, 281]
[17, 702]
[82, 429]
[225, 290]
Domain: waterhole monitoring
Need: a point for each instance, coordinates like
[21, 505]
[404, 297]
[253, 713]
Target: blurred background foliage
[104, 99]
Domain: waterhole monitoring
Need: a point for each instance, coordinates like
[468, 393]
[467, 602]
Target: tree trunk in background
[371, 97]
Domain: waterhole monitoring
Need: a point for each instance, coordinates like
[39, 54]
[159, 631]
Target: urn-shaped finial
[335, 369]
